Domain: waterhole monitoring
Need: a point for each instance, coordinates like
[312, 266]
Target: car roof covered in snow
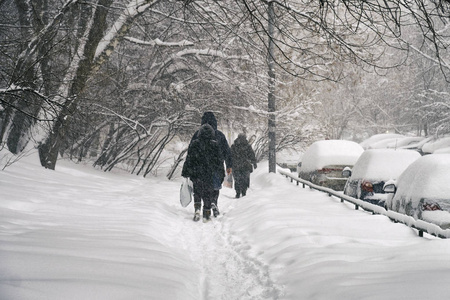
[440, 145]
[330, 152]
[427, 177]
[383, 164]
[380, 140]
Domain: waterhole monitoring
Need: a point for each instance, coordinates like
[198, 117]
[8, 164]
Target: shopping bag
[228, 182]
[186, 192]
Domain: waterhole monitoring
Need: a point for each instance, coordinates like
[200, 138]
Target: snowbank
[78, 233]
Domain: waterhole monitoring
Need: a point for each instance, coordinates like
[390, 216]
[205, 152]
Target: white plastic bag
[186, 192]
[228, 181]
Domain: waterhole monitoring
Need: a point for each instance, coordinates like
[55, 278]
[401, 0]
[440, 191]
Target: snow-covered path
[77, 233]
[82, 233]
[227, 270]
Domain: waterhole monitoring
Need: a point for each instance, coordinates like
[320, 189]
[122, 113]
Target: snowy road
[77, 233]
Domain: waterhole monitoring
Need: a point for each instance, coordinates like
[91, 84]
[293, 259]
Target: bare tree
[112, 70]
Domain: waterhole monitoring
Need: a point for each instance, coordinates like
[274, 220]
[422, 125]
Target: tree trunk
[48, 150]
[176, 163]
[17, 119]
[271, 96]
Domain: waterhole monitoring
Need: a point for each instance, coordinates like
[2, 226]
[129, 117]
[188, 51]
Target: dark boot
[238, 195]
[206, 215]
[215, 210]
[197, 208]
[244, 192]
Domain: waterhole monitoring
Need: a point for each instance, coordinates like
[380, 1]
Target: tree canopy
[117, 81]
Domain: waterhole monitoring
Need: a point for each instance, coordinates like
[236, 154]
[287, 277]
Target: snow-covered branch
[439, 62]
[18, 92]
[42, 37]
[208, 52]
[121, 27]
[158, 42]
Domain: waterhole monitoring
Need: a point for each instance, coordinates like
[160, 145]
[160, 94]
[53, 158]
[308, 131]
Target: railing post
[356, 207]
[420, 233]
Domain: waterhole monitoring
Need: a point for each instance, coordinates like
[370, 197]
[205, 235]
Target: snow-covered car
[382, 140]
[423, 190]
[394, 141]
[373, 169]
[288, 159]
[437, 145]
[323, 162]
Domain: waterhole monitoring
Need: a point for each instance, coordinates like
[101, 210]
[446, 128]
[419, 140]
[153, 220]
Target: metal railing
[420, 225]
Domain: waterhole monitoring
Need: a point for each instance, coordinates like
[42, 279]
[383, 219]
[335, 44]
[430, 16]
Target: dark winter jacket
[204, 159]
[209, 118]
[243, 155]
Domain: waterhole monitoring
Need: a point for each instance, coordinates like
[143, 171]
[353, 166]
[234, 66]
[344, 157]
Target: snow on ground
[79, 233]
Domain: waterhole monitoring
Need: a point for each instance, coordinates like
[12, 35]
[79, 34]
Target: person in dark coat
[209, 118]
[244, 161]
[204, 166]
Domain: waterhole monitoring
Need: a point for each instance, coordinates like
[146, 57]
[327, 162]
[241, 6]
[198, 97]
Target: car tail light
[367, 186]
[431, 206]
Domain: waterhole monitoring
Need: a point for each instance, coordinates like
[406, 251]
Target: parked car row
[398, 179]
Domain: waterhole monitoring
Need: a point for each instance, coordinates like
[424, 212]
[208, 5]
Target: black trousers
[204, 192]
[241, 181]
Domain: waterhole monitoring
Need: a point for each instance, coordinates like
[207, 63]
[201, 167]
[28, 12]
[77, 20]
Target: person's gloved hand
[229, 170]
[255, 166]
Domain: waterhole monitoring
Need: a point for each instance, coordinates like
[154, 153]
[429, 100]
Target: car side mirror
[389, 188]
[347, 172]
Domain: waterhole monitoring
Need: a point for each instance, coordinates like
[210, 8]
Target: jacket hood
[206, 132]
[209, 118]
[241, 139]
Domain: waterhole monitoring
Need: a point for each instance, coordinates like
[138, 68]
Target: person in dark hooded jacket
[209, 118]
[244, 161]
[204, 166]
